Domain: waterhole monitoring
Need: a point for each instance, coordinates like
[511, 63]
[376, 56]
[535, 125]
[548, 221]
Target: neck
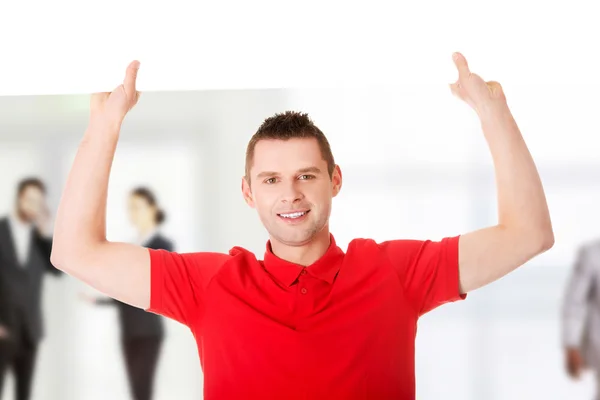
[306, 254]
[145, 230]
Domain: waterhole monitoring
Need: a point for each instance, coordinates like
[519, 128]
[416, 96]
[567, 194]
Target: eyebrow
[313, 170]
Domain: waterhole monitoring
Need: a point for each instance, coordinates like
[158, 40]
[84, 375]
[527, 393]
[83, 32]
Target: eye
[306, 177]
[270, 181]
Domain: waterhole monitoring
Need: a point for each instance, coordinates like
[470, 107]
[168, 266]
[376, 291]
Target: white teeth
[293, 215]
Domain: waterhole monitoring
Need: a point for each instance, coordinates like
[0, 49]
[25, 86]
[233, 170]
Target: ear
[336, 180]
[247, 192]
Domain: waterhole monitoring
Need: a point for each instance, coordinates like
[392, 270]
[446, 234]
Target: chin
[295, 242]
[300, 237]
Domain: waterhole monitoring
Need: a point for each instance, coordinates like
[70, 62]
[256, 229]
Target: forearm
[522, 203]
[81, 216]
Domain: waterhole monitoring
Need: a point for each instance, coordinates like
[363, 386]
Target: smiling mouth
[293, 215]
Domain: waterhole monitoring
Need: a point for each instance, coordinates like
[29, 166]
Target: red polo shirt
[342, 328]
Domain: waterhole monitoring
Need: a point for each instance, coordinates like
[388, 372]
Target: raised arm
[80, 247]
[524, 229]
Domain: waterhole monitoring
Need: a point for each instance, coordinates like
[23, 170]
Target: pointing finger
[461, 64]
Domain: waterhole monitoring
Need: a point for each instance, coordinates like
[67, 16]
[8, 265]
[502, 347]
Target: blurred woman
[142, 332]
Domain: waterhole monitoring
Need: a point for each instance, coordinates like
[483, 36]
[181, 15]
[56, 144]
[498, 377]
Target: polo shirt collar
[325, 268]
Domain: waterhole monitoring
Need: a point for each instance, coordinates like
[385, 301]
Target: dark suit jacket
[136, 322]
[21, 286]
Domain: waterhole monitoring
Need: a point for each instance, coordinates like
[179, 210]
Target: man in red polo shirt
[308, 321]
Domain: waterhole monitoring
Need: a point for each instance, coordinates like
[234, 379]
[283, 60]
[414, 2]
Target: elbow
[65, 255]
[58, 257]
[548, 242]
[533, 241]
[62, 247]
[543, 240]
[547, 236]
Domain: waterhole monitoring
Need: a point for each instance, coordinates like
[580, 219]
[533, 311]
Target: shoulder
[228, 267]
[368, 248]
[204, 260]
[405, 252]
[366, 245]
[241, 256]
[359, 246]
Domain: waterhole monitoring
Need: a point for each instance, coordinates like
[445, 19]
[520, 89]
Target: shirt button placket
[303, 290]
[304, 305]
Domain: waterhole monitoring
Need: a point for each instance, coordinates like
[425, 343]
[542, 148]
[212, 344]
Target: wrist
[495, 115]
[104, 124]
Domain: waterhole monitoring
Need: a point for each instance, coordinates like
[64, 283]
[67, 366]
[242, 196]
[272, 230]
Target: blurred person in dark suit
[142, 332]
[25, 247]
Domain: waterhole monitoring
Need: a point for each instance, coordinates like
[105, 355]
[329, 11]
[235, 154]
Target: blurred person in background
[309, 320]
[581, 315]
[142, 333]
[25, 247]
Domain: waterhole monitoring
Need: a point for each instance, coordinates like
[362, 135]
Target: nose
[291, 193]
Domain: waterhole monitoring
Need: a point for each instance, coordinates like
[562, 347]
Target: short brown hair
[285, 126]
[30, 182]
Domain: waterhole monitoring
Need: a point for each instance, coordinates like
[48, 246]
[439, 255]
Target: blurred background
[415, 165]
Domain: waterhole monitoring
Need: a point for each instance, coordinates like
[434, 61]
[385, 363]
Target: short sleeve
[179, 282]
[428, 270]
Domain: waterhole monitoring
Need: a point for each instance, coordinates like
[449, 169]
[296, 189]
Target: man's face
[31, 203]
[291, 189]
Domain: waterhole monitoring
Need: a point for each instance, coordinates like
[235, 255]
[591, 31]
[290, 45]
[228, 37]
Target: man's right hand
[574, 362]
[111, 108]
[79, 246]
[3, 332]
